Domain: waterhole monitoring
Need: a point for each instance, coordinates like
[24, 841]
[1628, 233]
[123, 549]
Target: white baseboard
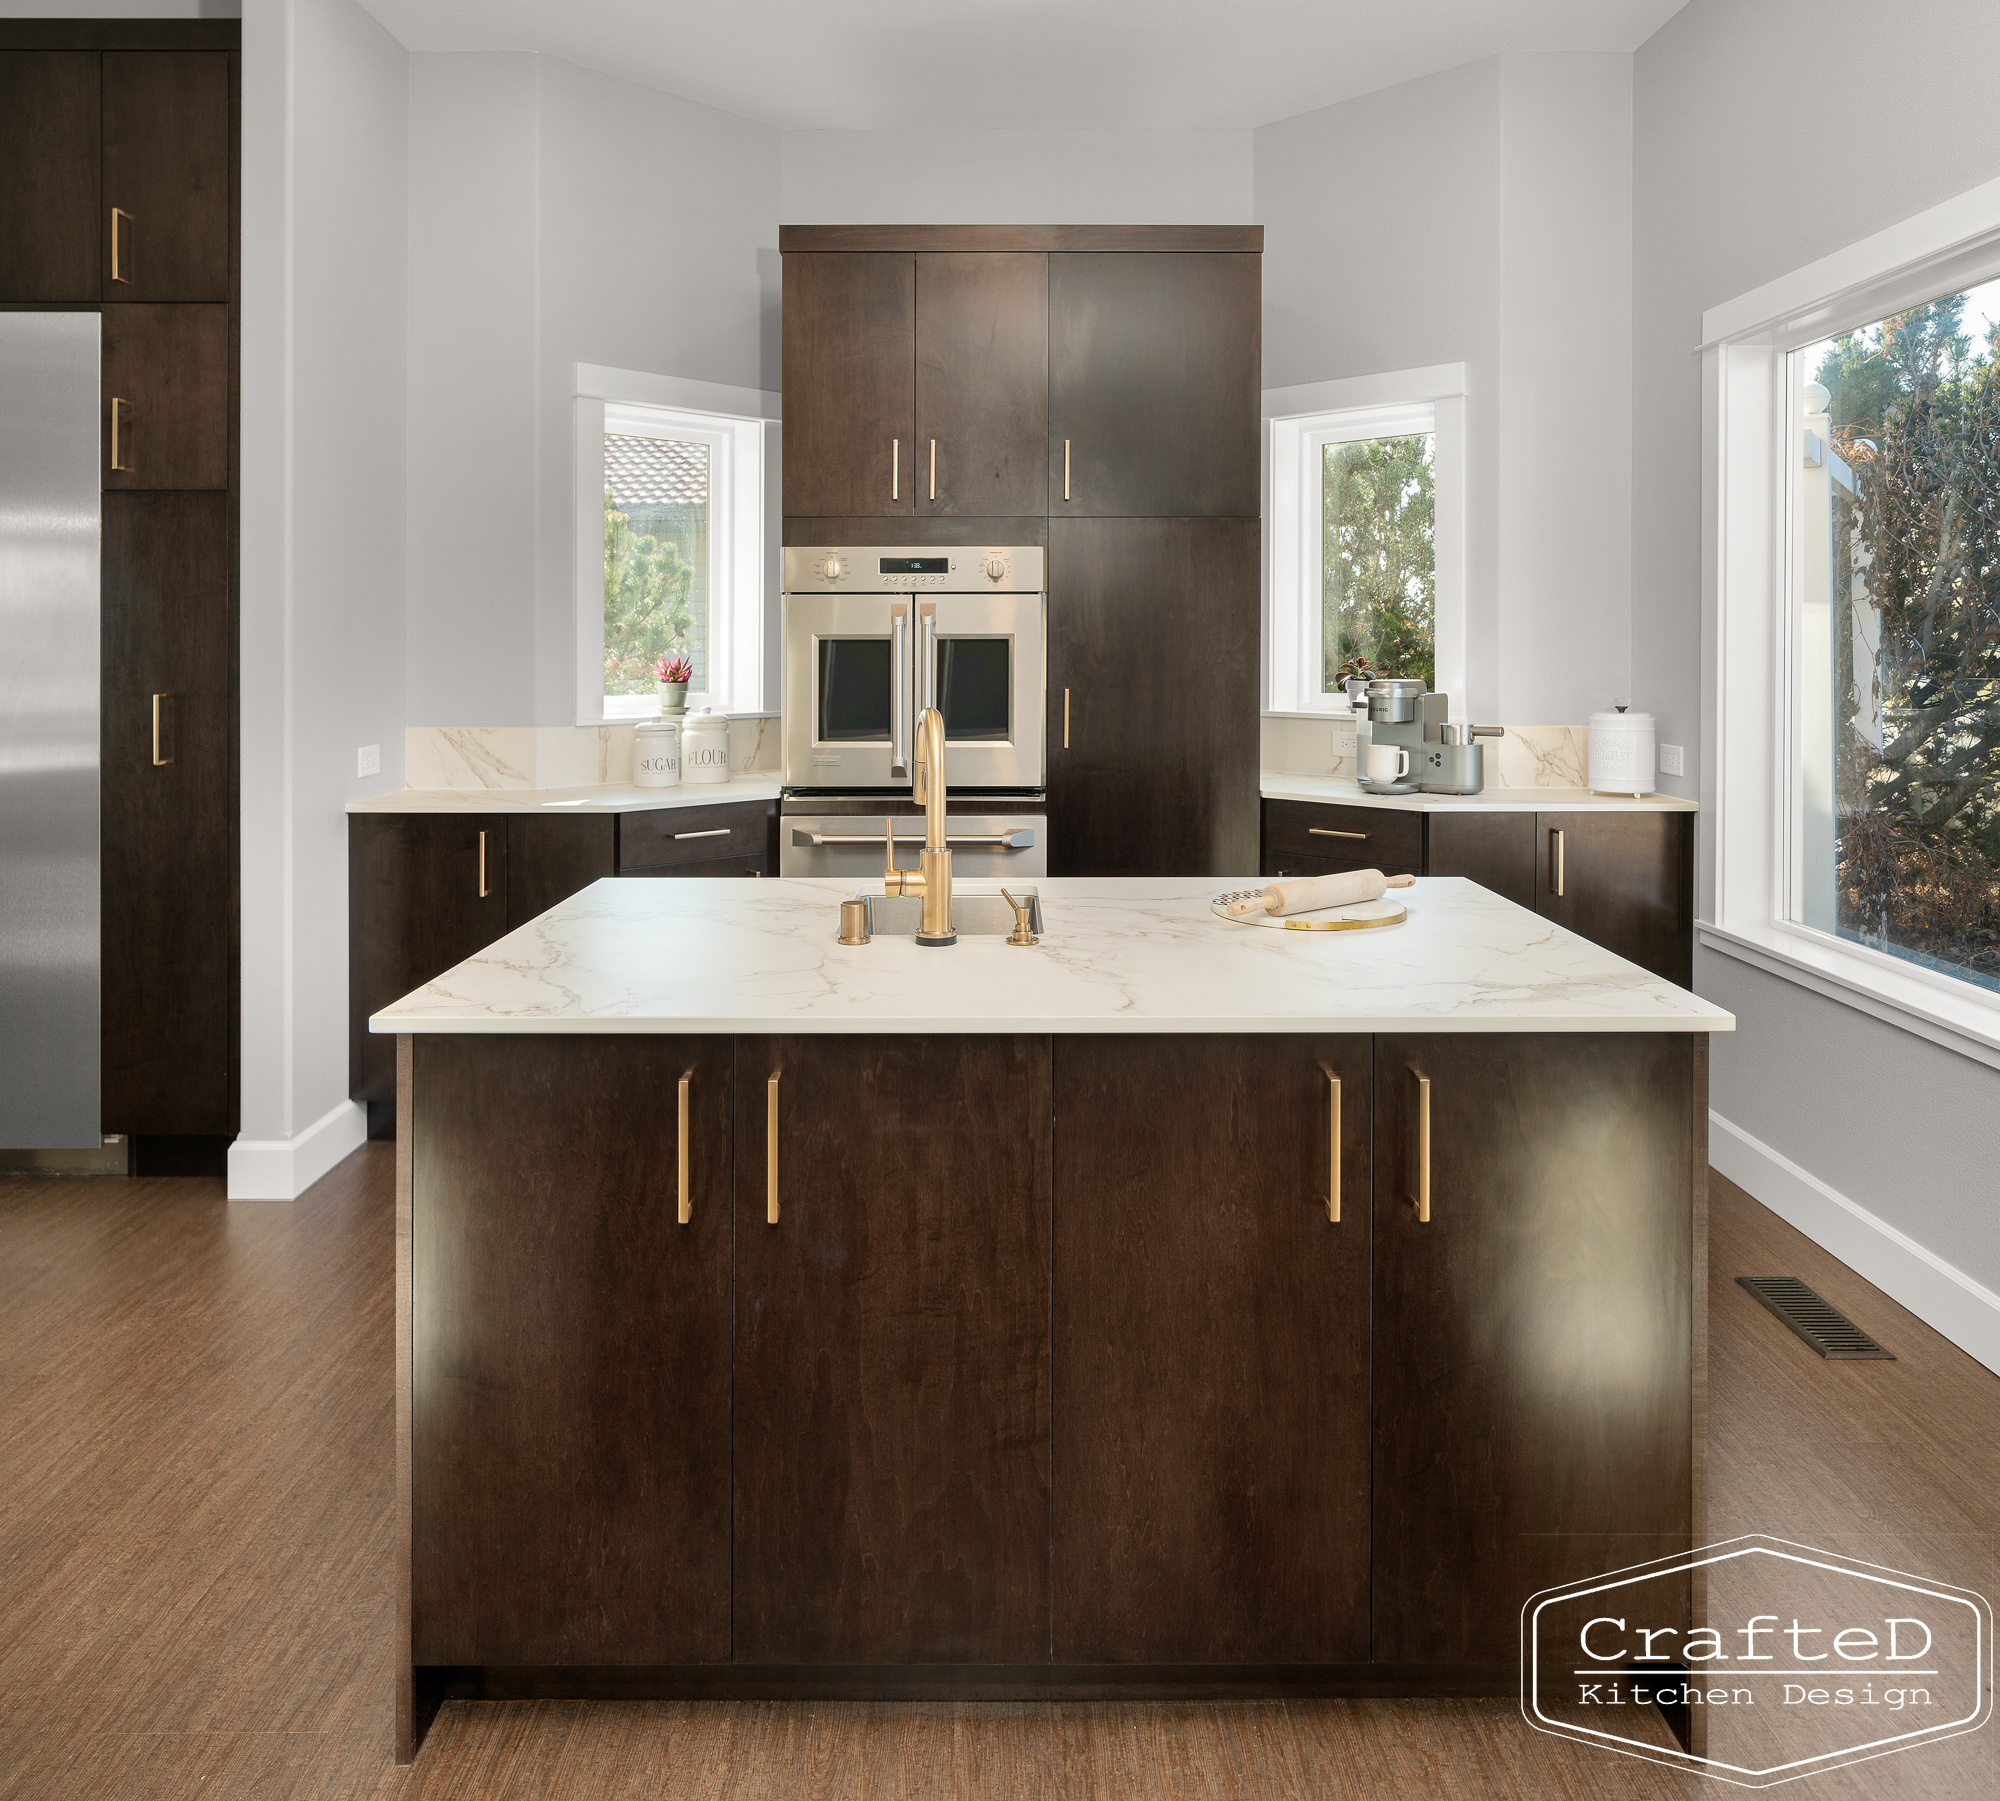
[282, 1169]
[1945, 1299]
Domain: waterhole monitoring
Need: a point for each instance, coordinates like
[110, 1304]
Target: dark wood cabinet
[424, 891]
[49, 152]
[549, 859]
[166, 397]
[1496, 850]
[165, 219]
[1534, 1338]
[168, 816]
[1152, 698]
[1155, 367]
[1297, 833]
[1212, 1440]
[982, 384]
[1623, 880]
[850, 385]
[570, 1479]
[892, 1350]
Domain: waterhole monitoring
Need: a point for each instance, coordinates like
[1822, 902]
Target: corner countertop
[1117, 955]
[612, 798]
[1343, 790]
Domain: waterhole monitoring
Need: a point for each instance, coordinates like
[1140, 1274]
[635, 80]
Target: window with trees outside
[1896, 549]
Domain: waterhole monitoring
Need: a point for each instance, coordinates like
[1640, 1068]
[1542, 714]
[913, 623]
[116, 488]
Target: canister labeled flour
[705, 747]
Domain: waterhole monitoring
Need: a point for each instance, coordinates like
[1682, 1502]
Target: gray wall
[1766, 135]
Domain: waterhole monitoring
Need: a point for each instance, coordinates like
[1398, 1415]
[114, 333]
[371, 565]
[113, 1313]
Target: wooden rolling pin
[1311, 892]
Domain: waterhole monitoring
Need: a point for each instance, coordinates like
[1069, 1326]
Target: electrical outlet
[368, 760]
[1670, 759]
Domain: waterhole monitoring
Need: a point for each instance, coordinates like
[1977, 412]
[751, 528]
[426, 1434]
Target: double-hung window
[1364, 556]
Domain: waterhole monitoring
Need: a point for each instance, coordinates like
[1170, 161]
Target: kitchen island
[1171, 1307]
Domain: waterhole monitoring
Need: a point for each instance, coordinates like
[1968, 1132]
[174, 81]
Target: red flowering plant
[679, 667]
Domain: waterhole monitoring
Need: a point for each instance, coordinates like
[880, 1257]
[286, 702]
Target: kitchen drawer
[1343, 837]
[758, 866]
[673, 836]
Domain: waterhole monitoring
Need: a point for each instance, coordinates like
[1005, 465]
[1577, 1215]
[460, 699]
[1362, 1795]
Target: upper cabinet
[1154, 366]
[48, 175]
[982, 384]
[850, 385]
[165, 214]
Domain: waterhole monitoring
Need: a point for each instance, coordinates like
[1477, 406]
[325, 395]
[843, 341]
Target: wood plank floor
[195, 1470]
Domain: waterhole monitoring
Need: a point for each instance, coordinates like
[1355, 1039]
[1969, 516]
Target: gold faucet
[933, 881]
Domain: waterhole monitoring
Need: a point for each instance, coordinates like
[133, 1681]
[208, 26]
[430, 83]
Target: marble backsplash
[554, 756]
[1529, 756]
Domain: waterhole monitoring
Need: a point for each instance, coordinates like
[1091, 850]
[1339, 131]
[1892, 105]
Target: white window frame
[1747, 894]
[1299, 423]
[740, 427]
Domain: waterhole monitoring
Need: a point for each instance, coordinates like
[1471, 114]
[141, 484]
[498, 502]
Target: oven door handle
[1024, 839]
[927, 611]
[899, 688]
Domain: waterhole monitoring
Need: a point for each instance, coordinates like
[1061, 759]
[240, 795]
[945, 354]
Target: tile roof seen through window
[653, 472]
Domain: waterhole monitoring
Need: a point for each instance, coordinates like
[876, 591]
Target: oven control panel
[892, 569]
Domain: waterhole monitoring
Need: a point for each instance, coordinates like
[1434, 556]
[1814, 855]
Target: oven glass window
[972, 684]
[853, 688]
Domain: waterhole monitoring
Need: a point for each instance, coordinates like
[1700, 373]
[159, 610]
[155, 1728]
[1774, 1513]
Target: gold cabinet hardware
[1332, 1145]
[1065, 468]
[1327, 831]
[118, 407]
[163, 729]
[1065, 719]
[120, 270]
[934, 468]
[484, 891]
[1423, 1194]
[771, 1150]
[1556, 851]
[895, 468]
[687, 1207]
[719, 831]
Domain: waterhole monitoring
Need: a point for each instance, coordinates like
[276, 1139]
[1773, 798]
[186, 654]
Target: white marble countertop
[1125, 955]
[607, 798]
[1276, 785]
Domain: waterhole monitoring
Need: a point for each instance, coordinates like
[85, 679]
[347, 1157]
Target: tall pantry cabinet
[118, 195]
[1093, 389]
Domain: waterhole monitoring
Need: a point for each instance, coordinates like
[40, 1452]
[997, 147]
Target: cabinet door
[982, 384]
[1152, 723]
[424, 891]
[850, 385]
[892, 1350]
[48, 195]
[166, 375]
[1622, 880]
[1155, 363]
[1496, 850]
[1534, 1339]
[548, 860]
[569, 1375]
[168, 816]
[166, 171]
[1211, 1340]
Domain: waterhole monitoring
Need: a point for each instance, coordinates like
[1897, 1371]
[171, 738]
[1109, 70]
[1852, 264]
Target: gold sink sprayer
[933, 880]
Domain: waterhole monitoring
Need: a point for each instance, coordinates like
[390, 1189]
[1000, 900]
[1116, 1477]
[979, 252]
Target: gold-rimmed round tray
[1360, 916]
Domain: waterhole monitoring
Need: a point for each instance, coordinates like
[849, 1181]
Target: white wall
[324, 170]
[1728, 193]
[943, 175]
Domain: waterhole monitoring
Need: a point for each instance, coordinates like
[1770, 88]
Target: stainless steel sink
[973, 915]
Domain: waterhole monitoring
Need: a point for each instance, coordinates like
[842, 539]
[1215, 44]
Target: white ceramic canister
[705, 747]
[656, 754]
[1622, 757]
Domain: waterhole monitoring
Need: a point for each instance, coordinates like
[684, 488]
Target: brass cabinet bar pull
[1556, 847]
[934, 468]
[1327, 831]
[1065, 468]
[117, 453]
[163, 729]
[687, 1207]
[118, 270]
[771, 1150]
[1065, 719]
[1333, 1145]
[1423, 1150]
[719, 831]
[895, 468]
[483, 889]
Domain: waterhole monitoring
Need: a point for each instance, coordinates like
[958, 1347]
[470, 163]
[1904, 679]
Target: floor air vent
[1829, 1331]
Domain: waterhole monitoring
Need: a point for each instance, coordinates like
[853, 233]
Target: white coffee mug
[1388, 762]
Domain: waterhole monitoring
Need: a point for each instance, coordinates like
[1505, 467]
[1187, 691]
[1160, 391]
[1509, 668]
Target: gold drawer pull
[934, 468]
[1065, 719]
[163, 729]
[720, 831]
[119, 270]
[484, 891]
[120, 408]
[1327, 831]
[1065, 468]
[687, 1206]
[771, 1150]
[895, 468]
[1423, 1194]
[1556, 846]
[1333, 1145]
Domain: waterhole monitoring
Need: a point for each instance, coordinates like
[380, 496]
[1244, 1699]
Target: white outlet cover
[1670, 759]
[368, 760]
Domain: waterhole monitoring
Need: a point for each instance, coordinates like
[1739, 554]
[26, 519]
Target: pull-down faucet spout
[933, 881]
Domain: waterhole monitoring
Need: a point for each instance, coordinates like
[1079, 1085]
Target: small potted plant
[672, 673]
[1354, 675]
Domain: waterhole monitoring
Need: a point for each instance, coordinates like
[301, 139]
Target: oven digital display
[916, 566]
